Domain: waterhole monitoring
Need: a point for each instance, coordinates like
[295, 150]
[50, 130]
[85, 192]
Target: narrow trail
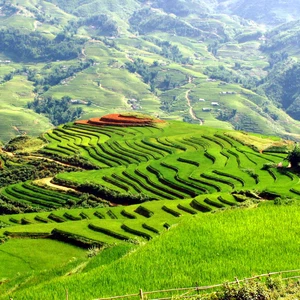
[83, 52]
[191, 110]
[47, 181]
[35, 25]
[129, 58]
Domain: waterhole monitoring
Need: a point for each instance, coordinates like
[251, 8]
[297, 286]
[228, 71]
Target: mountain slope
[152, 57]
[264, 11]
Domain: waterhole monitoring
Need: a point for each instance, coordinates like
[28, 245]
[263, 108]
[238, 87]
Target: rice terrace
[128, 201]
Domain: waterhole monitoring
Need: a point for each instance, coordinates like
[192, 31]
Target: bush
[294, 157]
[249, 291]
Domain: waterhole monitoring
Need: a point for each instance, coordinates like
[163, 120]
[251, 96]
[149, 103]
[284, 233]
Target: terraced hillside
[109, 185]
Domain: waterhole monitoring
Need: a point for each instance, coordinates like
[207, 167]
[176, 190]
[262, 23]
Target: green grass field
[208, 249]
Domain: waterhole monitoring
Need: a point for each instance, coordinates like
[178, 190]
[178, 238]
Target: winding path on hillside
[47, 182]
[191, 110]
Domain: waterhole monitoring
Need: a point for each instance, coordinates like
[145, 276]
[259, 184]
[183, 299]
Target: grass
[213, 244]
[176, 170]
[16, 118]
[18, 254]
[188, 169]
[198, 168]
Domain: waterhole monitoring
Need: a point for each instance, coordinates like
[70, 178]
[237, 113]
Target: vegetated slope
[149, 57]
[283, 38]
[187, 169]
[209, 249]
[268, 12]
[186, 7]
[282, 85]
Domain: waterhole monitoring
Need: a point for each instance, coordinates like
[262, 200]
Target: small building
[77, 101]
[201, 100]
[206, 109]
[132, 101]
[215, 104]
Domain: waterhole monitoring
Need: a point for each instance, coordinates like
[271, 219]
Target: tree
[294, 157]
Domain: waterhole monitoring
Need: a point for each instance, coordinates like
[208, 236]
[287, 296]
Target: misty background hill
[230, 64]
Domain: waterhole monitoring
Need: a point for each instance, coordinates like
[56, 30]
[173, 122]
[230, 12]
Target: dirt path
[35, 25]
[191, 110]
[129, 58]
[47, 181]
[83, 52]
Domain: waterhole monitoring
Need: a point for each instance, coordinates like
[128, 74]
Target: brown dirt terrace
[121, 120]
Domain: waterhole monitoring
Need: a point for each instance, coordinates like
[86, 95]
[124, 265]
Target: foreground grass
[207, 249]
[20, 257]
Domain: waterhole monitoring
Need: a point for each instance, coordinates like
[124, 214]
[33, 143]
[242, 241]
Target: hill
[100, 190]
[267, 12]
[153, 58]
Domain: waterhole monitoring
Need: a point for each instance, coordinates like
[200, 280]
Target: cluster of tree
[102, 24]
[7, 207]
[34, 169]
[246, 37]
[8, 9]
[229, 76]
[56, 75]
[282, 38]
[282, 86]
[58, 111]
[154, 78]
[10, 75]
[74, 160]
[33, 46]
[168, 50]
[226, 114]
[294, 157]
[213, 47]
[139, 66]
[146, 20]
[41, 16]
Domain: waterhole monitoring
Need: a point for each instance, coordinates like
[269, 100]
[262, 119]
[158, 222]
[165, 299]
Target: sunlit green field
[208, 249]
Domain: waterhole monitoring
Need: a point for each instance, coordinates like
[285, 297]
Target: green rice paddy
[186, 174]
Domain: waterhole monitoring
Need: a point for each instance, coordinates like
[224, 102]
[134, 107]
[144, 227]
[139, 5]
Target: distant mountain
[271, 12]
[184, 7]
[283, 87]
[285, 38]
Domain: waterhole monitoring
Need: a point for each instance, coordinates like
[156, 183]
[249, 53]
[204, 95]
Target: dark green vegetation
[172, 59]
[35, 47]
[160, 176]
[58, 111]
